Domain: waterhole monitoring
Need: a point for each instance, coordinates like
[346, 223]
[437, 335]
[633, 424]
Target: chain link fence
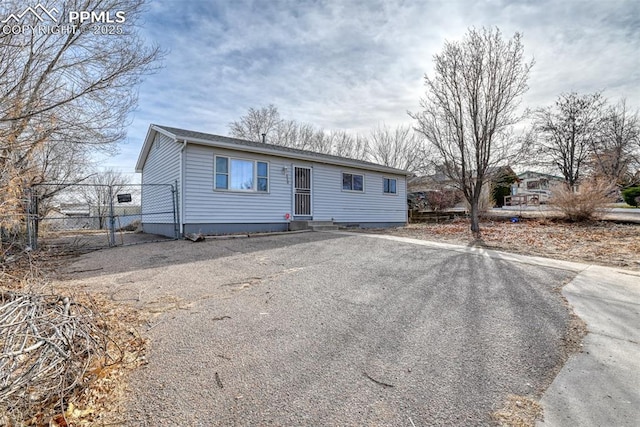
[81, 217]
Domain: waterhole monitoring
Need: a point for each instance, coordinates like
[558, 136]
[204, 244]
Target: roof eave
[298, 156]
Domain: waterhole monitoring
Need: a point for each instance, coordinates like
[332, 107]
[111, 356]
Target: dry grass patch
[598, 242]
[518, 411]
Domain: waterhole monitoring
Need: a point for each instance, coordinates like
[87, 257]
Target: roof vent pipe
[264, 138]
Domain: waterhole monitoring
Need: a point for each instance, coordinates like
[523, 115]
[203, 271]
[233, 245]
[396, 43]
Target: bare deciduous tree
[470, 107]
[343, 144]
[66, 92]
[399, 148]
[293, 134]
[567, 132]
[101, 192]
[616, 151]
[59, 165]
[256, 122]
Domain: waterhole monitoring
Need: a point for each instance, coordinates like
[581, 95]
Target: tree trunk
[475, 208]
[475, 218]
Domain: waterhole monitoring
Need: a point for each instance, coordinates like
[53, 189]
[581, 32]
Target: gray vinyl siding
[371, 205]
[162, 166]
[163, 162]
[204, 204]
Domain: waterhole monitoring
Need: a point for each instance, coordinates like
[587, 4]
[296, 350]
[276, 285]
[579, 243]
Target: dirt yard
[604, 243]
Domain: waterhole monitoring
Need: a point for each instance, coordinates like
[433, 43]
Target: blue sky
[352, 64]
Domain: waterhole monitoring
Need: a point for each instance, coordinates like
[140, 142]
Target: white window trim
[255, 175]
[364, 186]
[389, 194]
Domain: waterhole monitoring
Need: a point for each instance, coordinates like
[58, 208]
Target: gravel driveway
[325, 329]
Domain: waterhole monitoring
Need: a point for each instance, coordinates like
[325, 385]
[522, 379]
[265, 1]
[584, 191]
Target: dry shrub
[589, 202]
[132, 226]
[440, 200]
[12, 215]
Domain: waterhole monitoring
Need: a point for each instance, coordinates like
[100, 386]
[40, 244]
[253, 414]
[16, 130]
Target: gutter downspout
[182, 187]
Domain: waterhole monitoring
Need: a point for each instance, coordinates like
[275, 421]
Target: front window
[389, 186]
[352, 182]
[241, 175]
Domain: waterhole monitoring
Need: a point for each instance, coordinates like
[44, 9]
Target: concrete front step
[324, 227]
[312, 225]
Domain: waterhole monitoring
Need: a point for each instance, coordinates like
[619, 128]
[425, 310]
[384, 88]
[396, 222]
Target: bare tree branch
[567, 133]
[289, 133]
[67, 93]
[470, 107]
[401, 148]
[616, 151]
[101, 193]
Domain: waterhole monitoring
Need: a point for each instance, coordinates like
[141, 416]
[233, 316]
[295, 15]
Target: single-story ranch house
[228, 185]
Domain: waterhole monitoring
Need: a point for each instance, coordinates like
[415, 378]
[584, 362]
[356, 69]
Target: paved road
[613, 214]
[331, 329]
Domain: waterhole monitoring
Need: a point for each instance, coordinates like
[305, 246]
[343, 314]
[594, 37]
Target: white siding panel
[161, 167]
[204, 205]
[163, 163]
[372, 205]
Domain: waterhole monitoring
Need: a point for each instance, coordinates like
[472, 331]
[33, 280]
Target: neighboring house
[228, 185]
[535, 185]
[437, 181]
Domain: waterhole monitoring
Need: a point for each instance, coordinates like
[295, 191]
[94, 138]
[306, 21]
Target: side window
[389, 186]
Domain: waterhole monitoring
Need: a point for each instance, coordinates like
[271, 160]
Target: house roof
[534, 174]
[193, 137]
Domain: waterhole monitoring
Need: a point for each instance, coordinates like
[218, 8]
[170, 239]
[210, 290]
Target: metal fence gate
[89, 216]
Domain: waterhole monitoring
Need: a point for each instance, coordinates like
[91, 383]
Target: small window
[241, 175]
[352, 182]
[263, 176]
[222, 173]
[389, 185]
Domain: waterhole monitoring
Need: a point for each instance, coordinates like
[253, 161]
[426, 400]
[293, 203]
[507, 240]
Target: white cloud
[352, 64]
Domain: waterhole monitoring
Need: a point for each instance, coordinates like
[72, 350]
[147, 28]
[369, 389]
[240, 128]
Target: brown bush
[588, 202]
[440, 200]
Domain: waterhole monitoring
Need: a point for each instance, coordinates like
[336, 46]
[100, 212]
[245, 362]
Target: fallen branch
[383, 384]
[48, 344]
